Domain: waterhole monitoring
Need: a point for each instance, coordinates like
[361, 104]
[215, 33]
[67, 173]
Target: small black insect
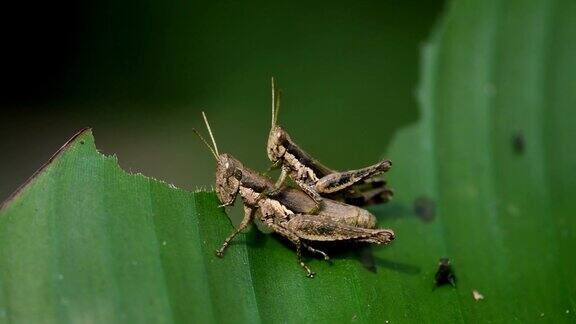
[445, 274]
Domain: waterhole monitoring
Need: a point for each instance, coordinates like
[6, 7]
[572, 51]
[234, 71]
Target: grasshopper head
[276, 147]
[228, 178]
[228, 169]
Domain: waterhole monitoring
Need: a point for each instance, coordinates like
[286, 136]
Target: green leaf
[86, 242]
[490, 163]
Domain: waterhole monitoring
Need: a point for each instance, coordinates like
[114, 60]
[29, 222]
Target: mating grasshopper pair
[301, 216]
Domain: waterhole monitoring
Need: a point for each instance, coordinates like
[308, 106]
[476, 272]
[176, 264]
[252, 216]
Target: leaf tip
[78, 137]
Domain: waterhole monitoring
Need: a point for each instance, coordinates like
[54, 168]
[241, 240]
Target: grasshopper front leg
[313, 193]
[338, 181]
[279, 183]
[273, 166]
[248, 217]
[277, 186]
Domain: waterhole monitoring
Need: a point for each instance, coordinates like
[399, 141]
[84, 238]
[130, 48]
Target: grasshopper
[288, 213]
[357, 187]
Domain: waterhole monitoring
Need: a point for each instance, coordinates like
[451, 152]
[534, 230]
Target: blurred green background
[140, 72]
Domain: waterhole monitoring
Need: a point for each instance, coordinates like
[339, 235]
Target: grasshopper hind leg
[338, 181]
[313, 250]
[318, 228]
[310, 273]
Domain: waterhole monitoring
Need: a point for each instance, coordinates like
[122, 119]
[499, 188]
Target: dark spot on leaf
[518, 143]
[367, 259]
[82, 142]
[425, 208]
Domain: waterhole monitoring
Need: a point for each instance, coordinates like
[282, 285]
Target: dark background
[140, 72]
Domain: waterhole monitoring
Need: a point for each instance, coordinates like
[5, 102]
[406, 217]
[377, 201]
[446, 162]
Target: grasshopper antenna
[275, 103]
[213, 150]
[210, 132]
[206, 143]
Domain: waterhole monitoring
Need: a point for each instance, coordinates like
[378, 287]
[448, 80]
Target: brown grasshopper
[288, 213]
[356, 187]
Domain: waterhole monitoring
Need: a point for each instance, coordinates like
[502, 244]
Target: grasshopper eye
[238, 174]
